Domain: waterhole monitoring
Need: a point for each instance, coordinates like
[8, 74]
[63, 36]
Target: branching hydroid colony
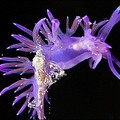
[57, 52]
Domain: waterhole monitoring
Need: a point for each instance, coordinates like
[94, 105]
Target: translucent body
[57, 52]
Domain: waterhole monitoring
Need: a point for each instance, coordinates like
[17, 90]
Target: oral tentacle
[112, 68]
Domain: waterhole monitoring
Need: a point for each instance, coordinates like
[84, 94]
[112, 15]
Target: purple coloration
[26, 46]
[12, 86]
[23, 107]
[105, 30]
[67, 51]
[16, 65]
[54, 53]
[23, 28]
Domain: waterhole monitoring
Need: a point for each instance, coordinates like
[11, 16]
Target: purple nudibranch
[55, 53]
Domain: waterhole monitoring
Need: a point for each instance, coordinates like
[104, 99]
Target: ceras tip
[17, 114]
[4, 74]
[12, 35]
[15, 91]
[48, 10]
[14, 23]
[13, 104]
[118, 8]
[8, 48]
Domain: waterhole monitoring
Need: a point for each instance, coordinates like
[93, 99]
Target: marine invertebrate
[57, 52]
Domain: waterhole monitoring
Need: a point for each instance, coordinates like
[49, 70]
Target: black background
[84, 93]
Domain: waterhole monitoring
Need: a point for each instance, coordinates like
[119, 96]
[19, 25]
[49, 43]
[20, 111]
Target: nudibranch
[54, 54]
